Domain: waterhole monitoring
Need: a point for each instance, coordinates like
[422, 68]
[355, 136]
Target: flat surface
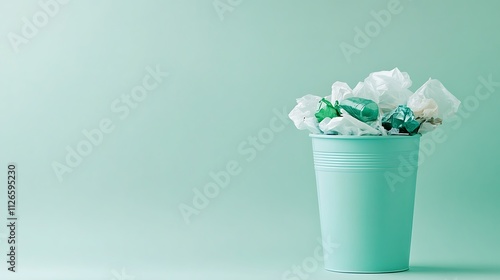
[434, 272]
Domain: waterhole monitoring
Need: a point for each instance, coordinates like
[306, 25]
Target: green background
[120, 207]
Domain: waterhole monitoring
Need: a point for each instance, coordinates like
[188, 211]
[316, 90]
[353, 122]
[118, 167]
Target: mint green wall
[229, 77]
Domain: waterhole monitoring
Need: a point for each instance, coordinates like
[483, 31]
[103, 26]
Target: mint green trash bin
[366, 192]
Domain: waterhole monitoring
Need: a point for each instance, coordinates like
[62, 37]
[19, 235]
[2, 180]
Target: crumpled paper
[422, 107]
[432, 99]
[346, 125]
[403, 119]
[399, 110]
[327, 110]
[341, 91]
[428, 125]
[432, 103]
[303, 114]
[386, 88]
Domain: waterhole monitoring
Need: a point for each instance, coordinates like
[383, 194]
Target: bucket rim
[366, 137]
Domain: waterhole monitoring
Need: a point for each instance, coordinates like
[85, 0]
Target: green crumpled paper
[327, 110]
[401, 118]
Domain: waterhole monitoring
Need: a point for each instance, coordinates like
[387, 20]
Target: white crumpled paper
[341, 91]
[422, 107]
[302, 114]
[346, 125]
[432, 99]
[387, 88]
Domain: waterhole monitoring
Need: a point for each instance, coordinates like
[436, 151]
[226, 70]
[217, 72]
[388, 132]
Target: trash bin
[366, 192]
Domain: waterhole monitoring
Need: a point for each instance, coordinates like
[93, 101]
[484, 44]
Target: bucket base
[367, 272]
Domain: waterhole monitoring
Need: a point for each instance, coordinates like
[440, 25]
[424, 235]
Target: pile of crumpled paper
[380, 105]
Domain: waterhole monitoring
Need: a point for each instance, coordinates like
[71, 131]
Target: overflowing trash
[380, 105]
